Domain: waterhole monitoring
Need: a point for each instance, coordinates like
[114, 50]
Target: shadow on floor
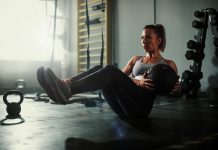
[140, 124]
[208, 143]
[83, 144]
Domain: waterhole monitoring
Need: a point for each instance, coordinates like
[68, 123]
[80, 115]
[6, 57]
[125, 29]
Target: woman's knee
[110, 67]
[113, 71]
[97, 67]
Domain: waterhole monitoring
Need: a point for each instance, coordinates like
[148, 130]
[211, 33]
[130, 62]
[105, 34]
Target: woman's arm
[177, 88]
[172, 64]
[129, 66]
[143, 82]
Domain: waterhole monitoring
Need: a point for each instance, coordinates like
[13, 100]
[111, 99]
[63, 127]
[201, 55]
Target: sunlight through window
[27, 30]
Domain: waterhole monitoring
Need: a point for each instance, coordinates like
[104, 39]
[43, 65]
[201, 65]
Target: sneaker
[60, 89]
[44, 84]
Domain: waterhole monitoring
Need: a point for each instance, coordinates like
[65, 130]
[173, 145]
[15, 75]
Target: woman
[128, 97]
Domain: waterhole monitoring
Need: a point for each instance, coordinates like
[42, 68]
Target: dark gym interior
[53, 33]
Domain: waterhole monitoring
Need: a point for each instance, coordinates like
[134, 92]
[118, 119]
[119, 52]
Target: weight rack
[190, 82]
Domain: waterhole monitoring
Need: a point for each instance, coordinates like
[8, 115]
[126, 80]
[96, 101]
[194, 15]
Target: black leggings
[122, 94]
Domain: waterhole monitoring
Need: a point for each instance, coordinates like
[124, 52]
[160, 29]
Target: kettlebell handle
[11, 92]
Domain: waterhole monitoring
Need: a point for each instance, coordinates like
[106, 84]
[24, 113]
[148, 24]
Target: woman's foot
[59, 88]
[44, 84]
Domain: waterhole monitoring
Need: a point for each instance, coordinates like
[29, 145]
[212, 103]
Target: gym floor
[174, 123]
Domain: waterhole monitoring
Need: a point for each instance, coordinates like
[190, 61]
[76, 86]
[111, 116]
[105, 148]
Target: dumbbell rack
[190, 81]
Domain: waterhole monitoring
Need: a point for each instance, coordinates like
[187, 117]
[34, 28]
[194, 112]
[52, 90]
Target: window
[27, 29]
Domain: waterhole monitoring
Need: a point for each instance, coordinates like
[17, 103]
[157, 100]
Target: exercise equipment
[100, 6]
[94, 21]
[164, 78]
[13, 108]
[20, 84]
[190, 81]
[213, 94]
[89, 22]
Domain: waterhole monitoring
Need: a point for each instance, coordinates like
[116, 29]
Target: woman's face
[149, 41]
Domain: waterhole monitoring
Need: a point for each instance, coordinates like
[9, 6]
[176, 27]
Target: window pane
[27, 29]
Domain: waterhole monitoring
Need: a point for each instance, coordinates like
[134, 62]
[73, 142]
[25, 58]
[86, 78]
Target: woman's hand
[146, 84]
[176, 87]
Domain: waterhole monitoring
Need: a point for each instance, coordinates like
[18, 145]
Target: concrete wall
[129, 19]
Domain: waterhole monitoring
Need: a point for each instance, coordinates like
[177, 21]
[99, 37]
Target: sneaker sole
[52, 81]
[43, 84]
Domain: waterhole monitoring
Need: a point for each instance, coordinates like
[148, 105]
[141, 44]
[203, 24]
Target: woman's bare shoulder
[172, 64]
[168, 61]
[135, 58]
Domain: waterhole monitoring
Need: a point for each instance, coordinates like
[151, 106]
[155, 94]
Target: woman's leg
[129, 101]
[121, 93]
[110, 97]
[82, 75]
[126, 97]
[136, 102]
[93, 80]
[109, 75]
[42, 81]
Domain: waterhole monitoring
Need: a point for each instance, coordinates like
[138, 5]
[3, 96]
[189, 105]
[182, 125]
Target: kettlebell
[13, 108]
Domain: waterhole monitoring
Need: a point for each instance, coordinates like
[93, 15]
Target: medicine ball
[164, 78]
